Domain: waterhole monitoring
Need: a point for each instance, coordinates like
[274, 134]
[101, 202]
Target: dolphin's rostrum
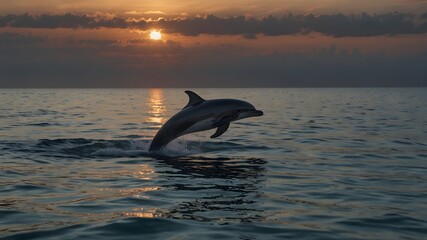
[201, 115]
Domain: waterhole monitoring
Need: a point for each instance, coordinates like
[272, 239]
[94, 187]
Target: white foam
[136, 148]
[179, 147]
[139, 145]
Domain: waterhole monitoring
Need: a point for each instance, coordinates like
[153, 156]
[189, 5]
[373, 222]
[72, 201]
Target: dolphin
[201, 115]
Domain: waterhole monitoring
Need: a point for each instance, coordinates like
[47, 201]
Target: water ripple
[320, 164]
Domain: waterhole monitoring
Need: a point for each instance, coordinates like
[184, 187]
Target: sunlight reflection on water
[156, 107]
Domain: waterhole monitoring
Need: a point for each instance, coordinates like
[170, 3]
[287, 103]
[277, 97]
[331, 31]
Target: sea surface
[320, 164]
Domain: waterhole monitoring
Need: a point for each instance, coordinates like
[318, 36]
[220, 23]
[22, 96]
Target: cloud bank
[337, 25]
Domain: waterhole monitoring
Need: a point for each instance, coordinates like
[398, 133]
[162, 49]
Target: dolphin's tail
[155, 146]
[158, 143]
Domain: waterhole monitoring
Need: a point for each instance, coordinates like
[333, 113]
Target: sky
[223, 43]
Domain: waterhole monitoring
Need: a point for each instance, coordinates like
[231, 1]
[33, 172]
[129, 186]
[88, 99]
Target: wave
[97, 147]
[131, 147]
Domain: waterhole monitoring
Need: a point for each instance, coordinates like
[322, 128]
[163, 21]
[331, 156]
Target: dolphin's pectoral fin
[225, 119]
[194, 99]
[220, 130]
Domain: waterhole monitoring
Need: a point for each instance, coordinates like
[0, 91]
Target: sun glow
[155, 35]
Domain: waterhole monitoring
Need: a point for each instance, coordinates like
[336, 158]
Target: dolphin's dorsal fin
[220, 130]
[194, 99]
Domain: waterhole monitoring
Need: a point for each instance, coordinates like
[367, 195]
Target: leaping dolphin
[201, 115]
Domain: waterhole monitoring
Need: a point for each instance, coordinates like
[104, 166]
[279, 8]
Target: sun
[155, 35]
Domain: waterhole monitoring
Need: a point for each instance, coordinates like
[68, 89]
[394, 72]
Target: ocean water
[320, 164]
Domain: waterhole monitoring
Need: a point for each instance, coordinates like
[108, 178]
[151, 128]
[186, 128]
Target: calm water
[320, 164]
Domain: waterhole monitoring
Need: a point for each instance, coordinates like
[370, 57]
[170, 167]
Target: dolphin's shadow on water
[215, 189]
[221, 167]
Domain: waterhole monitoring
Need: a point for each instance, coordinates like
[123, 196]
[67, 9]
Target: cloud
[154, 12]
[68, 20]
[157, 12]
[337, 25]
[133, 12]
